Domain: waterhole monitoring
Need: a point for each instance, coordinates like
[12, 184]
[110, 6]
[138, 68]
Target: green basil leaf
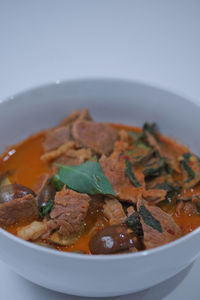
[130, 174]
[149, 219]
[188, 169]
[86, 178]
[46, 208]
[56, 181]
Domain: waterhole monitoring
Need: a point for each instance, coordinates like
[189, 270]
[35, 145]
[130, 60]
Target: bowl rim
[101, 257]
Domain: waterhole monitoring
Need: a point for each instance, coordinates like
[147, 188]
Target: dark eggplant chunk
[46, 194]
[13, 191]
[112, 239]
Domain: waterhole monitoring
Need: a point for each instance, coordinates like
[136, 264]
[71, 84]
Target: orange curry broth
[24, 160]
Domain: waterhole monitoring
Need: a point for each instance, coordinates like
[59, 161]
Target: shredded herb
[56, 181]
[130, 174]
[143, 146]
[133, 222]
[169, 187]
[190, 172]
[149, 219]
[187, 156]
[86, 178]
[151, 129]
[154, 168]
[46, 208]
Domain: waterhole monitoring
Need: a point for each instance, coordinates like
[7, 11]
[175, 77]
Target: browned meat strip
[72, 158]
[56, 137]
[114, 169]
[18, 210]
[114, 212]
[152, 237]
[154, 195]
[69, 211]
[130, 210]
[75, 115]
[99, 137]
[54, 154]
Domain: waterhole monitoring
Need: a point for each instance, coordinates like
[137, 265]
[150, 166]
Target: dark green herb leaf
[169, 187]
[154, 168]
[151, 129]
[46, 208]
[149, 219]
[190, 172]
[86, 178]
[134, 135]
[56, 181]
[129, 173]
[143, 146]
[133, 222]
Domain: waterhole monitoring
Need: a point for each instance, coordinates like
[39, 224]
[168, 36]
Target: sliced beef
[114, 212]
[130, 210]
[114, 169]
[155, 195]
[18, 210]
[32, 231]
[54, 154]
[170, 231]
[99, 137]
[56, 137]
[73, 158]
[171, 158]
[69, 211]
[188, 208]
[76, 115]
[70, 119]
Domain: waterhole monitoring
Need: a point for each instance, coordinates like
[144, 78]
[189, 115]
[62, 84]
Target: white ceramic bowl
[114, 101]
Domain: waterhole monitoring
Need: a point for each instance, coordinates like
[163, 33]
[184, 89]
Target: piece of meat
[52, 155]
[114, 212]
[99, 137]
[84, 115]
[155, 195]
[188, 208]
[56, 137]
[114, 169]
[72, 158]
[152, 237]
[123, 136]
[18, 210]
[165, 152]
[75, 115]
[171, 158]
[32, 231]
[69, 211]
[130, 210]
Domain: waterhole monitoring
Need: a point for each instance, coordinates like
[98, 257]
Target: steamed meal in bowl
[99, 188]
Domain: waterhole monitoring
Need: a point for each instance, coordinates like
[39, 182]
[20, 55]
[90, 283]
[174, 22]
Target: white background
[157, 42]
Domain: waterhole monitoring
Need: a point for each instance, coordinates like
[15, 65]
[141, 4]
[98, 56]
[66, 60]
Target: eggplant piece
[47, 194]
[112, 239]
[13, 191]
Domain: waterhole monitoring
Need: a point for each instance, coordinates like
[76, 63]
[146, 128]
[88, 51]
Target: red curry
[156, 200]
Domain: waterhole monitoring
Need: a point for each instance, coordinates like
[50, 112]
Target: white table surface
[153, 41]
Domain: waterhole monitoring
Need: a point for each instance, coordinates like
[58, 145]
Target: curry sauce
[26, 166]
